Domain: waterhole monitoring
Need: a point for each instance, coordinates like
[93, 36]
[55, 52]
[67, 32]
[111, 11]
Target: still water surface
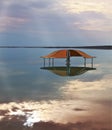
[36, 98]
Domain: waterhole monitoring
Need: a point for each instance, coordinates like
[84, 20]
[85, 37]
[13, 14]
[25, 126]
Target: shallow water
[36, 98]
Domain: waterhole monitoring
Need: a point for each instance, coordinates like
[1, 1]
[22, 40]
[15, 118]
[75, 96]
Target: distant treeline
[105, 47]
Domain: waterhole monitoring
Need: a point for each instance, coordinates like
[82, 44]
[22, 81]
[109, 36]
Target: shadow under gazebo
[67, 70]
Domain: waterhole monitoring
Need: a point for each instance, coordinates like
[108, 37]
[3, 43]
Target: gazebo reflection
[67, 70]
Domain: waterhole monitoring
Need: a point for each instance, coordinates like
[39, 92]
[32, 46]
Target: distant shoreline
[104, 47]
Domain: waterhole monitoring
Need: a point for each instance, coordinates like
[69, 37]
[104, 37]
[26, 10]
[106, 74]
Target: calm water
[34, 98]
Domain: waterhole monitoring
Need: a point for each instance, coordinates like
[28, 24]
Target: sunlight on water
[33, 96]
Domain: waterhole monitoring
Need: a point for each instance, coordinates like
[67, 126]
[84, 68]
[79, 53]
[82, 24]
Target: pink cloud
[7, 22]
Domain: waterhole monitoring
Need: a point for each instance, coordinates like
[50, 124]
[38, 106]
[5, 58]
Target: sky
[54, 22]
[36, 98]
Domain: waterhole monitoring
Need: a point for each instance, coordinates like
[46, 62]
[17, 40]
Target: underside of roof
[65, 53]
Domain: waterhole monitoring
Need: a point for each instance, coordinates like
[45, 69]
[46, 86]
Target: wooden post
[84, 62]
[68, 58]
[44, 62]
[68, 62]
[49, 61]
[92, 62]
[68, 70]
[52, 61]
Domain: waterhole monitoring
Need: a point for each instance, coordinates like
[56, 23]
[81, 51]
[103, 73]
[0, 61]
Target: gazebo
[67, 54]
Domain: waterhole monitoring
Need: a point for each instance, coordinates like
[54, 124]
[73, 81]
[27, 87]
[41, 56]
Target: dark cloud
[79, 109]
[11, 125]
[14, 124]
[3, 112]
[70, 126]
[43, 4]
[24, 9]
[1, 6]
[106, 102]
[18, 11]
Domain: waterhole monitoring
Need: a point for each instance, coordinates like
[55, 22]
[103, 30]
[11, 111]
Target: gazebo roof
[63, 54]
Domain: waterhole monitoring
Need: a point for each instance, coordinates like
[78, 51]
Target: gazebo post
[68, 69]
[84, 62]
[68, 62]
[52, 61]
[49, 61]
[44, 61]
[68, 58]
[92, 62]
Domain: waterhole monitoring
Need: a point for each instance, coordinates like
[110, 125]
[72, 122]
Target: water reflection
[68, 70]
[31, 98]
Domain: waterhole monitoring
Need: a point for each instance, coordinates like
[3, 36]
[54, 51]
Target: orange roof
[63, 54]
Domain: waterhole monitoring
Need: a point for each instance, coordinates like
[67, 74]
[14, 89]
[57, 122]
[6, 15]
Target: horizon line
[104, 47]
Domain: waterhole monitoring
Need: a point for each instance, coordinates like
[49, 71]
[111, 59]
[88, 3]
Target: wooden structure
[67, 54]
[68, 71]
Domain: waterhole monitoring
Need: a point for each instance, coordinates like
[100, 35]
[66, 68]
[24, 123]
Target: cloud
[34, 112]
[11, 23]
[95, 25]
[18, 10]
[70, 111]
[92, 16]
[13, 16]
[12, 125]
[70, 126]
[46, 12]
[79, 109]
[91, 20]
[72, 6]
[57, 22]
[88, 90]
[43, 4]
